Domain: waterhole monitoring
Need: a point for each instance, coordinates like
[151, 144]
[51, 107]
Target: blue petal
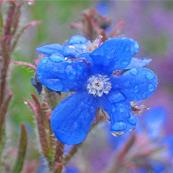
[115, 97]
[75, 50]
[136, 62]
[77, 39]
[121, 117]
[72, 48]
[137, 83]
[72, 118]
[76, 46]
[59, 74]
[115, 54]
[50, 49]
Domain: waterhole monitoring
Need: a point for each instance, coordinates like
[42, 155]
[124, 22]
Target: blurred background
[150, 22]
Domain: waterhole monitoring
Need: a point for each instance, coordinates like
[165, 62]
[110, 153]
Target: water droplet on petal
[125, 63]
[113, 109]
[136, 89]
[121, 108]
[133, 71]
[132, 120]
[70, 72]
[119, 126]
[116, 97]
[56, 58]
[149, 76]
[151, 88]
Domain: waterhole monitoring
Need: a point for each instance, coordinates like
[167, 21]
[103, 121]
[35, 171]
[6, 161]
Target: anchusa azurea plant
[91, 77]
[98, 76]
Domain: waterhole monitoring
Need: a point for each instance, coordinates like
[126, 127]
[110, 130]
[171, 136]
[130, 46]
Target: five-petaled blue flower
[98, 79]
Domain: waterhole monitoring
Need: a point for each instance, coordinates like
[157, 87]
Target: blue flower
[71, 169]
[103, 7]
[90, 75]
[154, 122]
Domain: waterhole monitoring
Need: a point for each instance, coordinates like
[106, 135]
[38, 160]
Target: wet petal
[115, 97]
[137, 83]
[77, 39]
[50, 49]
[121, 117]
[115, 53]
[76, 46]
[72, 118]
[136, 62]
[59, 74]
[72, 48]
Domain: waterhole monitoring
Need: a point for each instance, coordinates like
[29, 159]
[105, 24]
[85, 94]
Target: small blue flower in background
[103, 7]
[154, 122]
[90, 76]
[71, 169]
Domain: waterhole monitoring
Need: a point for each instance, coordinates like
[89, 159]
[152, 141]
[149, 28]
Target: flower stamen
[98, 85]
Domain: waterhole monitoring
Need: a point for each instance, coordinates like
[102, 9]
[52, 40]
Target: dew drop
[113, 109]
[132, 120]
[125, 63]
[56, 58]
[70, 71]
[136, 89]
[119, 126]
[116, 97]
[121, 108]
[151, 88]
[149, 76]
[133, 71]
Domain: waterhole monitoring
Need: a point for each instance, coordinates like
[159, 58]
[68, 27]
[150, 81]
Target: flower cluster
[105, 77]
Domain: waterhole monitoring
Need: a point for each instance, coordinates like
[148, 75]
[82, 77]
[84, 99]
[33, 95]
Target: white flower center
[98, 85]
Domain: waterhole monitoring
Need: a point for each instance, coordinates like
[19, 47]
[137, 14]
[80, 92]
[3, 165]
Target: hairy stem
[59, 157]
